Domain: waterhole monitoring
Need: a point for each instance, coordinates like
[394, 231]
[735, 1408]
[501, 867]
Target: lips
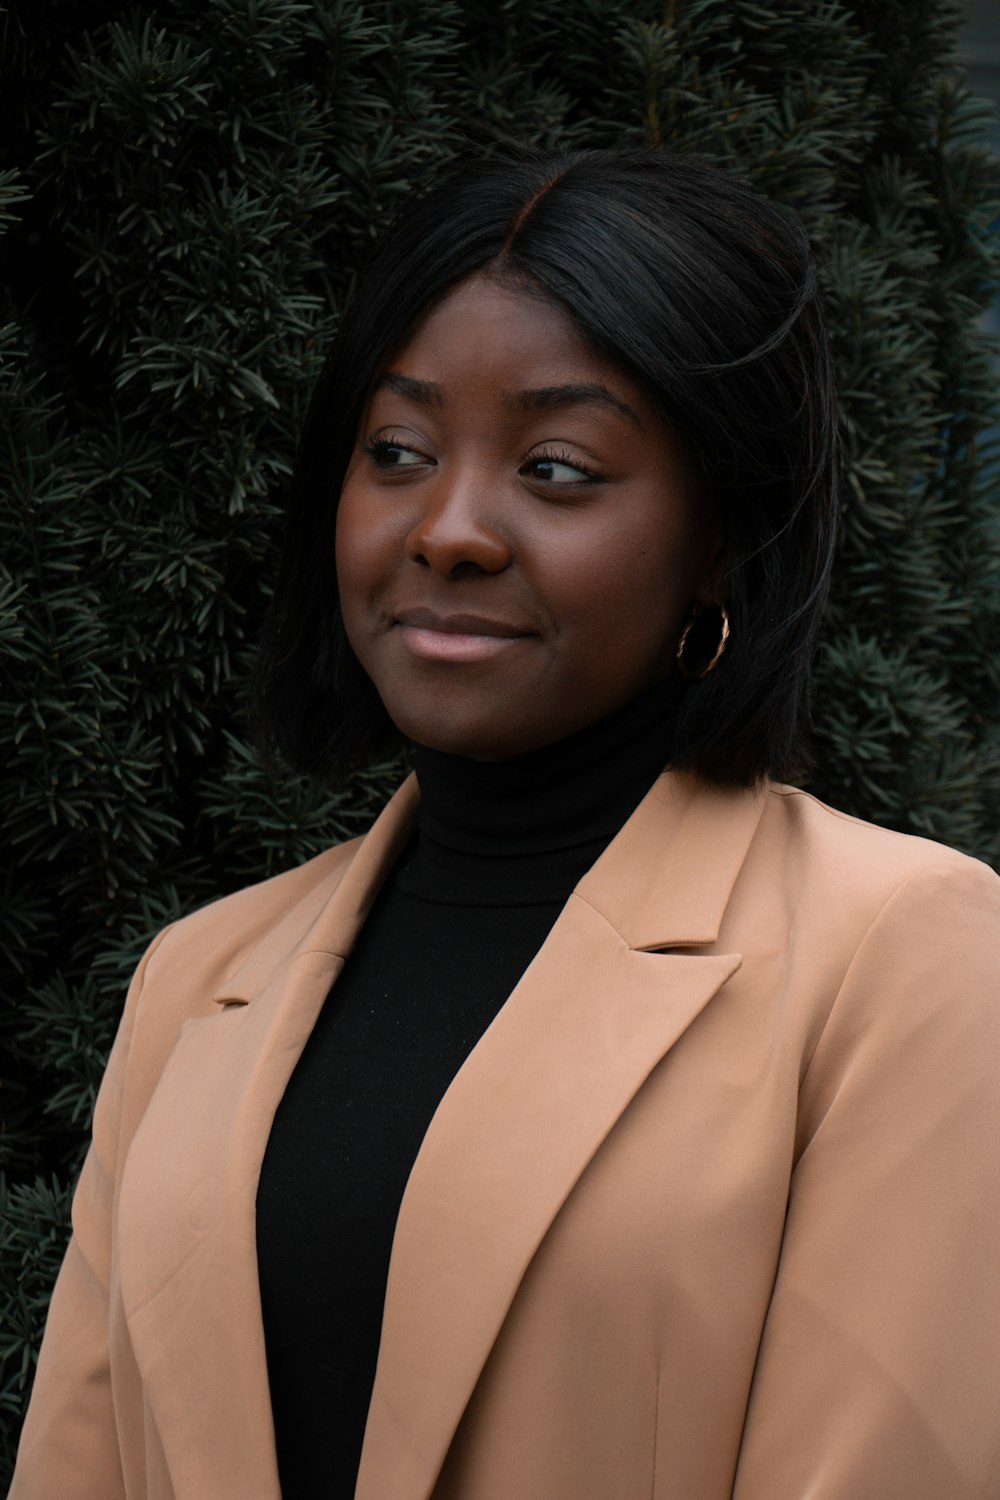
[426, 619]
[456, 637]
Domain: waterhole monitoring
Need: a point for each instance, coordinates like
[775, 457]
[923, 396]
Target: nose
[454, 535]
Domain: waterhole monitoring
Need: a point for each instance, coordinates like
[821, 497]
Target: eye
[558, 468]
[387, 453]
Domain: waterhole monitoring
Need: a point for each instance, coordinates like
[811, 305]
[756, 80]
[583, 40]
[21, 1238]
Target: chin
[473, 746]
[476, 741]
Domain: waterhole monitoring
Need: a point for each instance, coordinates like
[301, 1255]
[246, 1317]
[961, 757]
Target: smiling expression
[520, 534]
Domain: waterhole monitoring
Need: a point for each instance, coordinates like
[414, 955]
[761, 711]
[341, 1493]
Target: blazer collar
[662, 882]
[329, 918]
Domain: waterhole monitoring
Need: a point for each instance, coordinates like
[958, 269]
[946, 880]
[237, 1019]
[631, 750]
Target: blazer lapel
[591, 1018]
[186, 1223]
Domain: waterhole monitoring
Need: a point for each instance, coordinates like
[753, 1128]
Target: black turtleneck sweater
[500, 846]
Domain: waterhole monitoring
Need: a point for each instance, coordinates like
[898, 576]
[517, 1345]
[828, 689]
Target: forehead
[490, 334]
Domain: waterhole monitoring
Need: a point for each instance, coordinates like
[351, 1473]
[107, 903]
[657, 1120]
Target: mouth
[457, 637]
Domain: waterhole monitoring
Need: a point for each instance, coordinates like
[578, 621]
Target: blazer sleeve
[69, 1444]
[878, 1373]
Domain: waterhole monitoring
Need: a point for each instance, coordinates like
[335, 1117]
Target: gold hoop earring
[688, 672]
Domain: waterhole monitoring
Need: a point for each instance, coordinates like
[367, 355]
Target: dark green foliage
[187, 192]
[33, 1220]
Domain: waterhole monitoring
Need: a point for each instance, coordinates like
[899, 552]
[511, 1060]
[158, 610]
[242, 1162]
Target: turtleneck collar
[524, 830]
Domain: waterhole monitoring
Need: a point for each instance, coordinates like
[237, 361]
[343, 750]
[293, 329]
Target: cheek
[639, 585]
[360, 550]
[357, 577]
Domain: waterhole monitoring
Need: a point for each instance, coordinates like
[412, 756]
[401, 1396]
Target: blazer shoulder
[872, 858]
[883, 931]
[833, 877]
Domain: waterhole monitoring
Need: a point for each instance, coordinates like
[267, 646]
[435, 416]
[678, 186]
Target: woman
[672, 1092]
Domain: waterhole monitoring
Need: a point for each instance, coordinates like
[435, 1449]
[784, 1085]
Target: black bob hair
[704, 293]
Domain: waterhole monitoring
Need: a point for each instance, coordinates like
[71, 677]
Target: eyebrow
[542, 398]
[423, 392]
[557, 397]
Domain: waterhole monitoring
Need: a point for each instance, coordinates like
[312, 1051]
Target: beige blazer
[710, 1211]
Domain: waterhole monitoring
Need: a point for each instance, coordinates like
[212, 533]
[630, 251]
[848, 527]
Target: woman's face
[520, 535]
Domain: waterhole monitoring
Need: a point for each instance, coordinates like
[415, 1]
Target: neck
[528, 827]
